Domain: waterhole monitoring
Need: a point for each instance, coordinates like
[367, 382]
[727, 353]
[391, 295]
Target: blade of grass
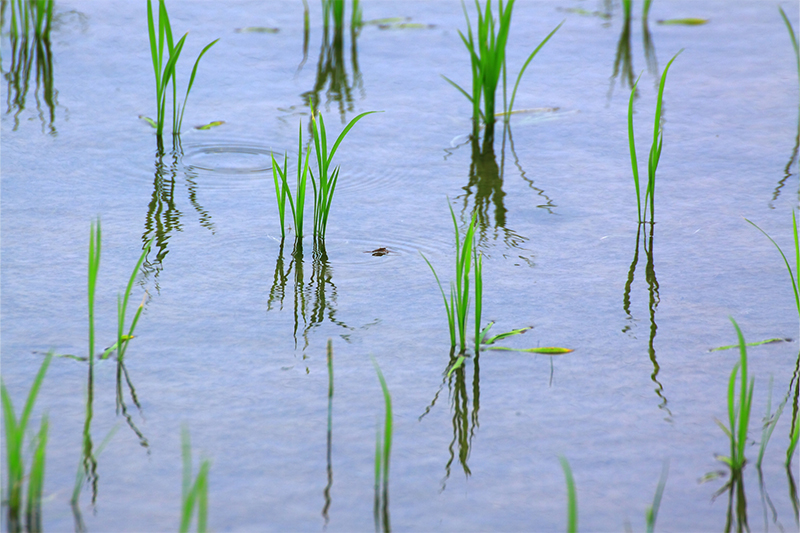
[572, 498]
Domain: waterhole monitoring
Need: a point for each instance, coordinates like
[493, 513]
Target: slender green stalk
[572, 498]
[14, 432]
[122, 306]
[651, 515]
[193, 493]
[95, 238]
[383, 450]
[655, 149]
[510, 108]
[794, 436]
[33, 508]
[794, 40]
[793, 275]
[325, 181]
[478, 258]
[282, 191]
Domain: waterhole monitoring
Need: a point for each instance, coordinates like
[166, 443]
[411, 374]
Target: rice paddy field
[229, 373]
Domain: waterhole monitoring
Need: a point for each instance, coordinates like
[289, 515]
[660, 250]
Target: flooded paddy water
[232, 339]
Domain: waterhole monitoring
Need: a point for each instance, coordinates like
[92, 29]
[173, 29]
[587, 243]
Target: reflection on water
[331, 74]
[623, 60]
[791, 165]
[313, 301]
[29, 33]
[464, 421]
[653, 301]
[486, 185]
[329, 468]
[163, 216]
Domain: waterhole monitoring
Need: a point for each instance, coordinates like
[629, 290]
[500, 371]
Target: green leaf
[210, 125]
[683, 22]
[149, 121]
[547, 350]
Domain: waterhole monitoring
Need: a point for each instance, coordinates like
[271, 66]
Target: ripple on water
[231, 165]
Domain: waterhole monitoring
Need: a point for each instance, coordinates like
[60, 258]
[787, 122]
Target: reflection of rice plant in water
[29, 33]
[193, 493]
[14, 432]
[282, 192]
[165, 72]
[487, 49]
[383, 450]
[655, 150]
[325, 181]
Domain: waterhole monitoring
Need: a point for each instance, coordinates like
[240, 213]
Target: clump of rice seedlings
[572, 498]
[457, 307]
[14, 433]
[487, 49]
[325, 182]
[165, 72]
[383, 449]
[193, 493]
[282, 191]
[655, 151]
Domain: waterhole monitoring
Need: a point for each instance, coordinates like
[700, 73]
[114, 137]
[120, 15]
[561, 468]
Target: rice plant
[487, 49]
[14, 433]
[572, 498]
[282, 192]
[383, 450]
[165, 72]
[193, 493]
[738, 411]
[457, 307]
[655, 150]
[325, 182]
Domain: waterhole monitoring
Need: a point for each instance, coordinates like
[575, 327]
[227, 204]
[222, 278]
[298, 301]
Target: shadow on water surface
[29, 35]
[653, 301]
[464, 422]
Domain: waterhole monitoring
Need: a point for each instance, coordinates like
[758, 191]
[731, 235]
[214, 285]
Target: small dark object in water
[378, 252]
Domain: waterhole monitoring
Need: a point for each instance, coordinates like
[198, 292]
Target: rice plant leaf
[454, 84]
[683, 22]
[572, 498]
[149, 121]
[210, 125]
[511, 333]
[547, 350]
[786, 261]
[459, 362]
[191, 80]
[757, 343]
[524, 66]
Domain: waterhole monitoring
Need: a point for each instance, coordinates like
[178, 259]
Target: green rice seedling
[193, 493]
[651, 514]
[282, 191]
[793, 275]
[165, 72]
[383, 450]
[325, 182]
[738, 411]
[27, 15]
[572, 498]
[488, 59]
[14, 433]
[655, 150]
[458, 306]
